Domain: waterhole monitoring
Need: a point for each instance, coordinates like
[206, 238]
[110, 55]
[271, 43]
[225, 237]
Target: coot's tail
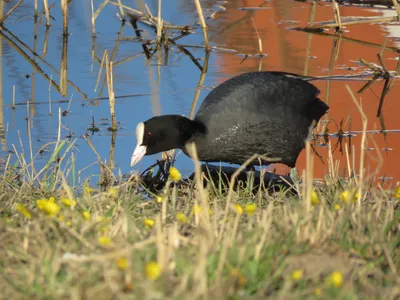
[317, 110]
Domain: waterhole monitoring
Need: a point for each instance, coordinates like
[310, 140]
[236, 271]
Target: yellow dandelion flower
[104, 240]
[153, 270]
[318, 292]
[50, 208]
[68, 202]
[113, 192]
[238, 277]
[196, 209]
[24, 211]
[182, 218]
[337, 207]
[335, 279]
[51, 199]
[158, 199]
[314, 198]
[86, 215]
[174, 174]
[88, 189]
[297, 275]
[122, 263]
[149, 223]
[250, 209]
[346, 197]
[239, 208]
[396, 192]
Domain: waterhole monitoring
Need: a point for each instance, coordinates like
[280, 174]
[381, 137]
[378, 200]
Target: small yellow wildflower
[61, 218]
[86, 215]
[196, 209]
[149, 223]
[50, 208]
[239, 208]
[122, 263]
[314, 198]
[174, 174]
[297, 275]
[182, 218]
[104, 240]
[346, 198]
[51, 199]
[113, 192]
[337, 207]
[88, 189]
[152, 270]
[335, 279]
[158, 199]
[318, 292]
[238, 277]
[396, 193]
[24, 211]
[68, 202]
[250, 209]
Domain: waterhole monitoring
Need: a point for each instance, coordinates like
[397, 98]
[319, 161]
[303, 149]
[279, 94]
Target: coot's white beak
[138, 154]
[140, 149]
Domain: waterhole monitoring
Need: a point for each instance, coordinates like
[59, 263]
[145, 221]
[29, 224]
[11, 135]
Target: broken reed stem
[121, 10]
[64, 9]
[13, 98]
[336, 13]
[35, 9]
[93, 20]
[260, 49]
[110, 85]
[362, 147]
[46, 11]
[11, 11]
[397, 7]
[203, 23]
[364, 20]
[159, 24]
[64, 68]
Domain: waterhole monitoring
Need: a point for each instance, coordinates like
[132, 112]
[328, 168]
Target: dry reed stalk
[336, 13]
[308, 186]
[93, 20]
[364, 20]
[230, 192]
[35, 9]
[11, 11]
[121, 10]
[203, 23]
[397, 7]
[110, 85]
[64, 9]
[13, 98]
[362, 146]
[64, 68]
[46, 42]
[260, 49]
[199, 84]
[159, 24]
[46, 11]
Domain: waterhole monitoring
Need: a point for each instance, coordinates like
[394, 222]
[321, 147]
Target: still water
[168, 82]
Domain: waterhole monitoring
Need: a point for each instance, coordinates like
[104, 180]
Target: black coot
[266, 113]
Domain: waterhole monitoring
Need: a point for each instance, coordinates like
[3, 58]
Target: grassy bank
[61, 241]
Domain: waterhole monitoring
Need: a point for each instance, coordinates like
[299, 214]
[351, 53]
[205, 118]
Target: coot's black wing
[260, 112]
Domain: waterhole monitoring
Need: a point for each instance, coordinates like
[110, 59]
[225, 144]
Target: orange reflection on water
[304, 53]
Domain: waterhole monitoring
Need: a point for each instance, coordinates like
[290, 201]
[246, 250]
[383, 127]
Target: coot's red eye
[149, 133]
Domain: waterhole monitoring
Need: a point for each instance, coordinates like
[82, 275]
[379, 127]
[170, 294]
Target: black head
[164, 133]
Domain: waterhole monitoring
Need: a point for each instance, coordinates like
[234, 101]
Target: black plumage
[268, 113]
